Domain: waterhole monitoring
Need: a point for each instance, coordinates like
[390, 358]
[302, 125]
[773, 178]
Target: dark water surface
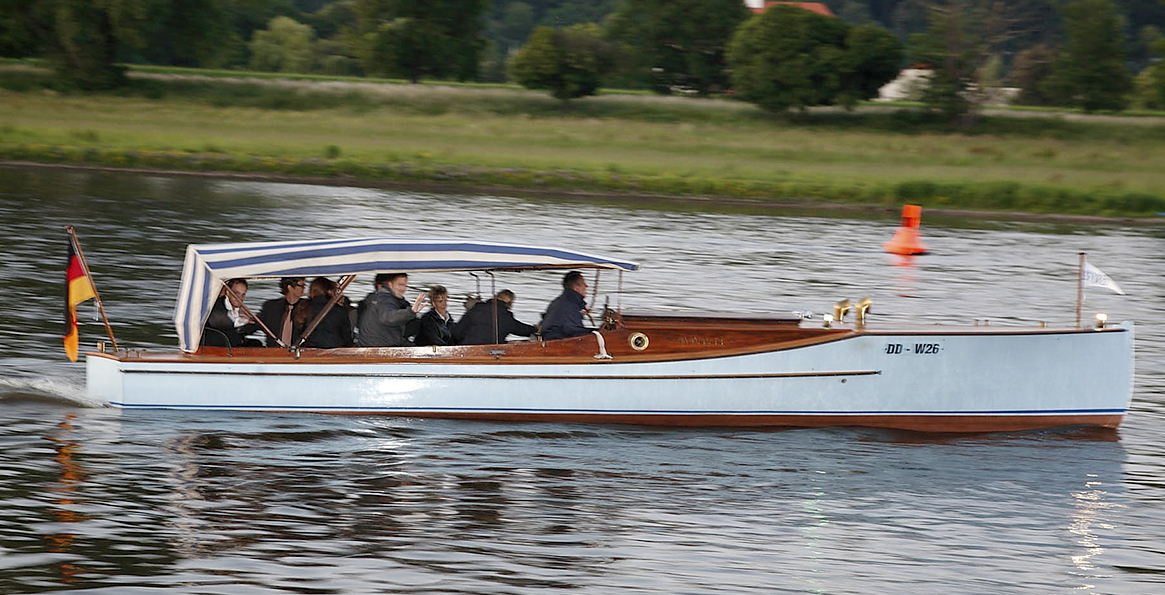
[103, 501]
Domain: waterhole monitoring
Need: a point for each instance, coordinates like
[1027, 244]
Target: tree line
[1095, 54]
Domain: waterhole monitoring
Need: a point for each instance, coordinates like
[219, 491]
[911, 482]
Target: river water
[104, 501]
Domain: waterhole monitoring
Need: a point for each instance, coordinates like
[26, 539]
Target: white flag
[1094, 277]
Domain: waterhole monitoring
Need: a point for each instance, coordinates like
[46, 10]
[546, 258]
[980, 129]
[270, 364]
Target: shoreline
[614, 197]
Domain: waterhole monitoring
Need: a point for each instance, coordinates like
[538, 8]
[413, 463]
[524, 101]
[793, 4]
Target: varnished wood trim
[517, 376]
[941, 423]
[581, 351]
[918, 423]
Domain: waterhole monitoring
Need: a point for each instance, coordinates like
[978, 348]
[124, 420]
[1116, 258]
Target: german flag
[78, 288]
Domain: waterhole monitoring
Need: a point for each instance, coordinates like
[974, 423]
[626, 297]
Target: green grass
[498, 136]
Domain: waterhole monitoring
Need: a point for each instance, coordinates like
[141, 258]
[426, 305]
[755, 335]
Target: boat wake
[46, 390]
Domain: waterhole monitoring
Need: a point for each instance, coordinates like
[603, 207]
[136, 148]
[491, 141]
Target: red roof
[816, 7]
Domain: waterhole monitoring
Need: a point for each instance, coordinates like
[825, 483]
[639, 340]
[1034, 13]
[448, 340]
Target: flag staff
[96, 296]
[1080, 289]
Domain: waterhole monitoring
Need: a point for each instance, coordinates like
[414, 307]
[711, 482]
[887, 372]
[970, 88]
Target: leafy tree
[951, 47]
[418, 38]
[1149, 86]
[335, 57]
[285, 46]
[874, 59]
[189, 33]
[1091, 70]
[791, 57]
[333, 19]
[679, 43]
[964, 44]
[1158, 70]
[855, 13]
[515, 26]
[86, 37]
[1031, 72]
[407, 47]
[509, 23]
[249, 16]
[569, 62]
[86, 40]
[23, 27]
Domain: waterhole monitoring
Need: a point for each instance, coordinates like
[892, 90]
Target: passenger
[276, 313]
[563, 316]
[437, 323]
[228, 324]
[386, 319]
[476, 327]
[335, 330]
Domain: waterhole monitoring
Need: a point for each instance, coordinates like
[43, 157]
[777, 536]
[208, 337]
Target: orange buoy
[905, 240]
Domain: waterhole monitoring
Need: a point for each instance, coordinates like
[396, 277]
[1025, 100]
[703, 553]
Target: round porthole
[638, 341]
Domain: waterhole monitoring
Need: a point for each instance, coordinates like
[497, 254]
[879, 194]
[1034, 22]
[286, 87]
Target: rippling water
[107, 501]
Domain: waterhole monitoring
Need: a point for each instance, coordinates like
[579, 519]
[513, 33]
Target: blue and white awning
[208, 265]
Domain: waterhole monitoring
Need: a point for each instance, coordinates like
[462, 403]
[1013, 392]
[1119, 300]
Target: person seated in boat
[228, 325]
[335, 330]
[563, 317]
[476, 327]
[386, 319]
[437, 323]
[276, 313]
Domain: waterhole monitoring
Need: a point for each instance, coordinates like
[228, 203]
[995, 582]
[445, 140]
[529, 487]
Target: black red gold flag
[78, 288]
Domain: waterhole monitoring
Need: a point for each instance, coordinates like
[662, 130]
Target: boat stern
[104, 380]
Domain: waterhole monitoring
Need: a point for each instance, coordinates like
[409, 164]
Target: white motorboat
[669, 369]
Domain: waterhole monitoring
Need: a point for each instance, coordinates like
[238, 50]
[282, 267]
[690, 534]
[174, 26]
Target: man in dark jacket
[564, 315]
[227, 324]
[477, 326]
[386, 319]
[276, 313]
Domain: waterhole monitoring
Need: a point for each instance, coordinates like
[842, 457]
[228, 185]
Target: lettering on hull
[913, 348]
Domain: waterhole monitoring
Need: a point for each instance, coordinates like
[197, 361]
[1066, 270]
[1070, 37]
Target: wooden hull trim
[314, 374]
[945, 422]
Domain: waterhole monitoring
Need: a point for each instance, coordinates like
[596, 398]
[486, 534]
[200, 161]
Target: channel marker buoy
[906, 239]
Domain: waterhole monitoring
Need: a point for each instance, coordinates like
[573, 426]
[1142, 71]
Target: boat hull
[935, 381]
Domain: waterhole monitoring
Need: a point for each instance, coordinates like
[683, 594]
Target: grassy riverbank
[500, 136]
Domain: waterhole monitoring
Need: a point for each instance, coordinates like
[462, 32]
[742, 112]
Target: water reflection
[336, 504]
[64, 511]
[1091, 513]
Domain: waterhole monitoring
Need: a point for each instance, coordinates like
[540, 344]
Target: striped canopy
[208, 265]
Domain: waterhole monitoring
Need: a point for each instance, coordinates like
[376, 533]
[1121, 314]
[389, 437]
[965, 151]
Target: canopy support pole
[247, 310]
[477, 282]
[619, 295]
[494, 300]
[1080, 290]
[327, 308]
[594, 298]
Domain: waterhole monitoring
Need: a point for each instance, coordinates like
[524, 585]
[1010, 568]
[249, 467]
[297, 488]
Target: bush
[791, 57]
[285, 46]
[569, 62]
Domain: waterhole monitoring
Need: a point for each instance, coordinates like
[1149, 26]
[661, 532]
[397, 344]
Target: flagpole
[1080, 290]
[96, 296]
